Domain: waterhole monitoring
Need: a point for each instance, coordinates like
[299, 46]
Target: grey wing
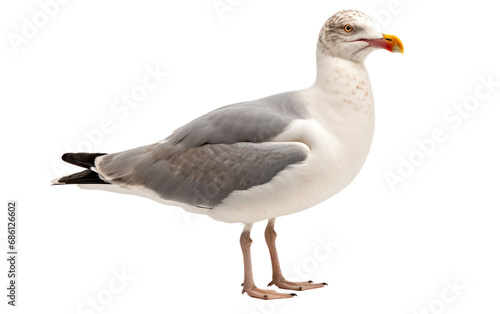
[255, 121]
[200, 176]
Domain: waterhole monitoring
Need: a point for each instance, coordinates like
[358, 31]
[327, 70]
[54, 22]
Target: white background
[397, 248]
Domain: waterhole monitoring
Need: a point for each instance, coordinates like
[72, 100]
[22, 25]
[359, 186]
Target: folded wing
[200, 176]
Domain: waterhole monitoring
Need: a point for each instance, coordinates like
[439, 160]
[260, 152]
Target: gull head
[352, 35]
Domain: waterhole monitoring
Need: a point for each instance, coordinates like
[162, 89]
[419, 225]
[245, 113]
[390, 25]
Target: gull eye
[348, 28]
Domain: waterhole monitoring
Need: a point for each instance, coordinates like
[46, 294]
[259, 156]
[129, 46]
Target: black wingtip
[83, 177]
[85, 160]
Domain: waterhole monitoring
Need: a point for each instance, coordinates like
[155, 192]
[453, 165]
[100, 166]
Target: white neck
[341, 101]
[337, 75]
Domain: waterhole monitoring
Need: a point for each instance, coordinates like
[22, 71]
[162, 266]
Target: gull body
[336, 137]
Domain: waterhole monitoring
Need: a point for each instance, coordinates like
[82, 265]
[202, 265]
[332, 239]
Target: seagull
[261, 159]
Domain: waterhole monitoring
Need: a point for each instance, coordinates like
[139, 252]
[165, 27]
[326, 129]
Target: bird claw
[299, 286]
[255, 292]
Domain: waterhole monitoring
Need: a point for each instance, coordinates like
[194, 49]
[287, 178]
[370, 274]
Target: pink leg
[278, 278]
[248, 284]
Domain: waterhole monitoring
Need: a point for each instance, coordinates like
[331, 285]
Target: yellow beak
[393, 44]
